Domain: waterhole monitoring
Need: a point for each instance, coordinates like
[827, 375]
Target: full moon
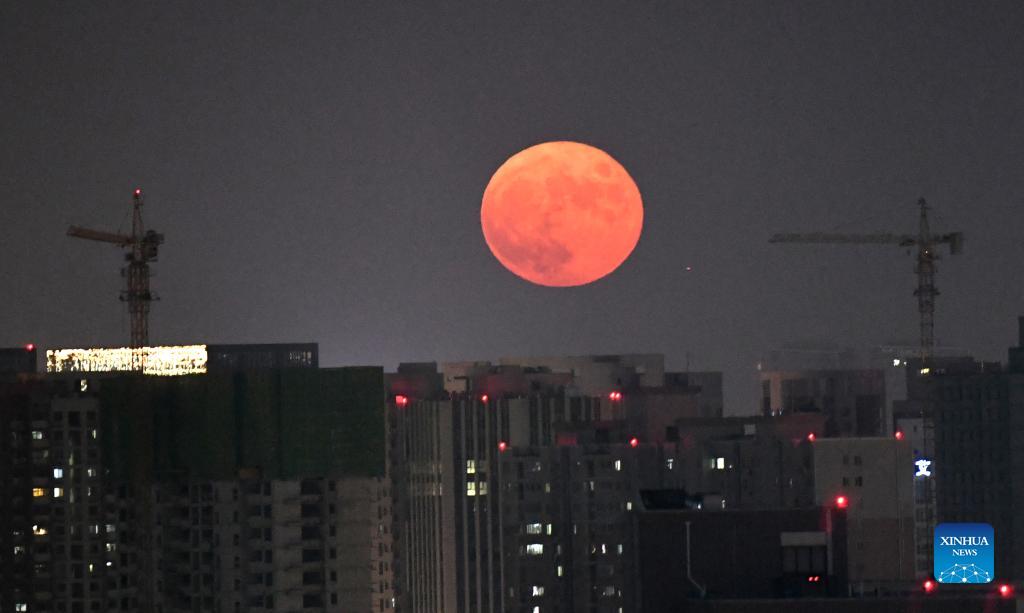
[561, 214]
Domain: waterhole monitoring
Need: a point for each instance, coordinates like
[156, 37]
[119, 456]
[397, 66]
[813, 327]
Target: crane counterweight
[144, 247]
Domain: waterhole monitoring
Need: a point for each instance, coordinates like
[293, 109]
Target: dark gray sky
[317, 169]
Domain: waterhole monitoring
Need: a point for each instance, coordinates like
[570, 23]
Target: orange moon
[561, 214]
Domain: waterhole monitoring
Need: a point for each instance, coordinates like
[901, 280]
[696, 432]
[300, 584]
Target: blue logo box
[964, 553]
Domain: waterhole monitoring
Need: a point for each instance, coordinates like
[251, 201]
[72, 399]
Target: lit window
[538, 590]
[38, 492]
[669, 463]
[58, 473]
[470, 467]
[533, 528]
[547, 488]
[558, 570]
[21, 606]
[482, 488]
[618, 464]
[38, 530]
[619, 549]
[536, 609]
[19, 549]
[549, 529]
[90, 472]
[471, 488]
[534, 549]
[111, 527]
[92, 433]
[720, 463]
[58, 492]
[609, 590]
[37, 435]
[629, 505]
[83, 385]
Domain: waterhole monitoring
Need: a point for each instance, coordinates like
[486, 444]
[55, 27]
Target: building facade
[258, 489]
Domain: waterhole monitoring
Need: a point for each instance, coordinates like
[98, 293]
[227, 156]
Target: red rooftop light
[502, 446]
[615, 396]
[929, 586]
[30, 347]
[401, 400]
[138, 192]
[899, 435]
[1005, 590]
[483, 398]
[811, 437]
[634, 442]
[842, 502]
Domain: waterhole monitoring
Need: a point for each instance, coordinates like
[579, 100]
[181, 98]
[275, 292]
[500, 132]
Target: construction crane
[143, 245]
[926, 244]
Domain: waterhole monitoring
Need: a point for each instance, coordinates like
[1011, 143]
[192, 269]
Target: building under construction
[238, 489]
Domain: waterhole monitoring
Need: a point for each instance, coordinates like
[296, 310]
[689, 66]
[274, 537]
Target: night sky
[318, 168]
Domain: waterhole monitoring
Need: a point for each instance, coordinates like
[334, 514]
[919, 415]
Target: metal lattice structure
[926, 244]
[143, 245]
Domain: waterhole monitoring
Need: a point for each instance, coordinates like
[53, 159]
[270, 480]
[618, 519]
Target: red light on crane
[502, 446]
[899, 435]
[929, 586]
[634, 442]
[842, 502]
[484, 398]
[138, 192]
[1005, 590]
[401, 400]
[615, 396]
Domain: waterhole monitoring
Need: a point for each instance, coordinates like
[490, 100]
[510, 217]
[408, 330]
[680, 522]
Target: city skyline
[318, 173]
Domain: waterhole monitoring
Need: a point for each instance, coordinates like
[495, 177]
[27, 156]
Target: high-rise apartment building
[259, 485]
[853, 401]
[514, 483]
[978, 464]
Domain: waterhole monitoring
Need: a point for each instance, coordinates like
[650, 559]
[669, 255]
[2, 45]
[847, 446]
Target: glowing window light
[38, 492]
[159, 361]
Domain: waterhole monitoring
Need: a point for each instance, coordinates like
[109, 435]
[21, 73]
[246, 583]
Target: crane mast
[926, 244]
[143, 247]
